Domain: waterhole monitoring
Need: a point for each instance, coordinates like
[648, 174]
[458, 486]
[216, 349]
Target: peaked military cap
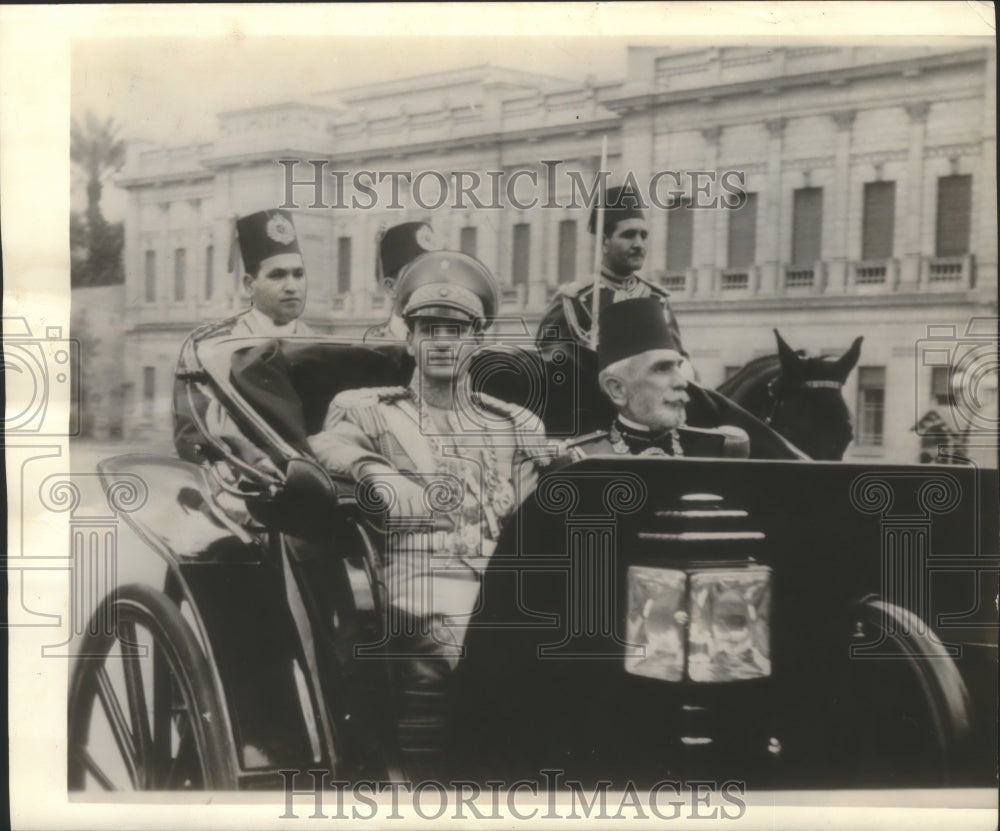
[447, 284]
[265, 234]
[631, 327]
[401, 244]
[620, 203]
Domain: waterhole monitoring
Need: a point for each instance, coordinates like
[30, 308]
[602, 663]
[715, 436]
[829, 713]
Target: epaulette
[216, 328]
[357, 399]
[573, 289]
[657, 289]
[585, 439]
[188, 364]
[515, 412]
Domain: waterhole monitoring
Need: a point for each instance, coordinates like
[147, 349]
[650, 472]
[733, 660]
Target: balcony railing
[799, 278]
[675, 282]
[879, 274]
[802, 277]
[734, 280]
[947, 273]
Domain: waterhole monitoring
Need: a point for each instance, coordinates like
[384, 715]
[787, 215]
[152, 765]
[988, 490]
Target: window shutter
[878, 222]
[743, 234]
[954, 215]
[567, 250]
[343, 265]
[522, 251]
[807, 227]
[680, 236]
[467, 240]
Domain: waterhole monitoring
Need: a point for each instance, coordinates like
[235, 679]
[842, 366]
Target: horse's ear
[849, 360]
[789, 360]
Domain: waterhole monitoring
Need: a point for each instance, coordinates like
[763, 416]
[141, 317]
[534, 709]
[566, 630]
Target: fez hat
[265, 234]
[447, 284]
[631, 327]
[620, 203]
[402, 243]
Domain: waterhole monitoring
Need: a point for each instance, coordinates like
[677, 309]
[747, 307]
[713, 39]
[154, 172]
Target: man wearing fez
[624, 236]
[275, 280]
[435, 445]
[642, 374]
[397, 246]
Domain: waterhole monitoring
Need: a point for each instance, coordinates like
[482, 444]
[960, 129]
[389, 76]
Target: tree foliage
[98, 151]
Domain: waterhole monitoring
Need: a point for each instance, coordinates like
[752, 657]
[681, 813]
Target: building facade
[825, 191]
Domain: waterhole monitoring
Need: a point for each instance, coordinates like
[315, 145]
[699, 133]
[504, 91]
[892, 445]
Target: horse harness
[774, 392]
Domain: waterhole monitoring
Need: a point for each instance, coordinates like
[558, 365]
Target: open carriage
[783, 623]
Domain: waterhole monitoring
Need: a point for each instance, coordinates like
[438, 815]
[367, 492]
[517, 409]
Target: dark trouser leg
[423, 677]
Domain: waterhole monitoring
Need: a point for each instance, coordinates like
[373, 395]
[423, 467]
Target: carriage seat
[291, 385]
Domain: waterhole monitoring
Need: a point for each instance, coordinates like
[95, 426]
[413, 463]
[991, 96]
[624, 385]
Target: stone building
[865, 175]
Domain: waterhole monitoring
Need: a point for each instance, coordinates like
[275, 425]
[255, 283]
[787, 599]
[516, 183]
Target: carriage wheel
[904, 713]
[158, 722]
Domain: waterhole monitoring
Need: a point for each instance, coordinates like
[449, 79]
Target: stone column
[985, 232]
[707, 220]
[910, 276]
[839, 255]
[770, 276]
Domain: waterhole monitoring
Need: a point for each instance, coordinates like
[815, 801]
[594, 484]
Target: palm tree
[96, 148]
[98, 152]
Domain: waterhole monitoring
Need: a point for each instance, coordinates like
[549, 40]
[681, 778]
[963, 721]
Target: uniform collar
[639, 439]
[263, 324]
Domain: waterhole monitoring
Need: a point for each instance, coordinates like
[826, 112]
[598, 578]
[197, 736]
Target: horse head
[808, 403]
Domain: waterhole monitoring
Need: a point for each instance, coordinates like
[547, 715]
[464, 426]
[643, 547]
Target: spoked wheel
[904, 718]
[143, 711]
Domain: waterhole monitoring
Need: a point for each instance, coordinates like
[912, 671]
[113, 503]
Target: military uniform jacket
[188, 440]
[683, 441]
[569, 314]
[480, 476]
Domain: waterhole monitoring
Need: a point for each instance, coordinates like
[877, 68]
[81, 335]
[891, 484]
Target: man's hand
[406, 496]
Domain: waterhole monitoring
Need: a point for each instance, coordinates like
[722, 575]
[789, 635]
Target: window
[729, 371]
[878, 221]
[680, 236]
[954, 215]
[871, 405]
[180, 272]
[522, 253]
[467, 240]
[150, 272]
[743, 234]
[567, 251]
[343, 265]
[148, 389]
[941, 384]
[807, 226]
[209, 270]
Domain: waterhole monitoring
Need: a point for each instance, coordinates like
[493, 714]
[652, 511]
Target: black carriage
[782, 623]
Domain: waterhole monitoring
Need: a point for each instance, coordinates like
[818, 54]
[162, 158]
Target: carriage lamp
[710, 625]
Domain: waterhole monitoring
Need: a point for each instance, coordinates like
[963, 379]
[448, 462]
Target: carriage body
[287, 616]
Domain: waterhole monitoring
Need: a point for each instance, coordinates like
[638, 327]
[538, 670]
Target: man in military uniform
[397, 246]
[641, 372]
[474, 458]
[275, 280]
[624, 234]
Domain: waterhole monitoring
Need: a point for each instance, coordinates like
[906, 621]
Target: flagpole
[598, 245]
